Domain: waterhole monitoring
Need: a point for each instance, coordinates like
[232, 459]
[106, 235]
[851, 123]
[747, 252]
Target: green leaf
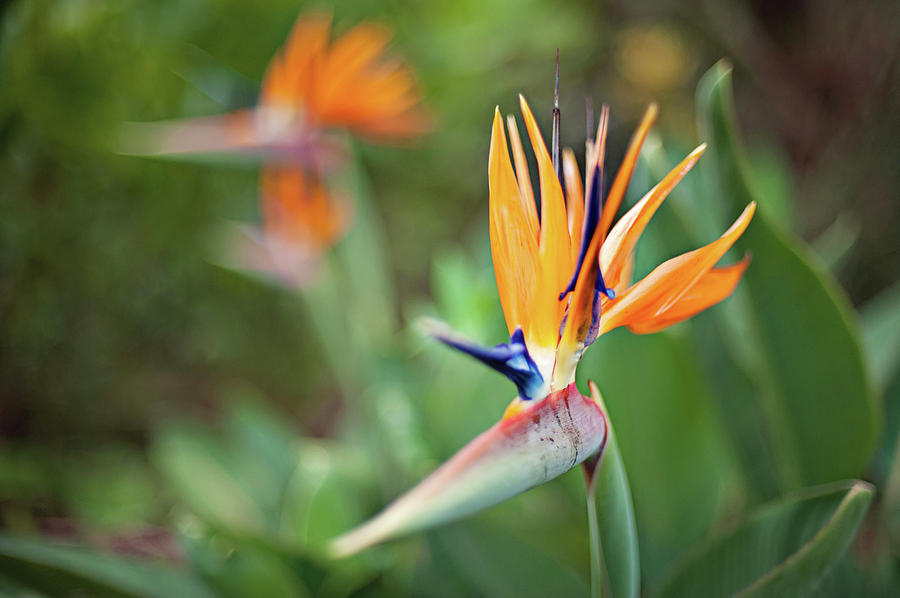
[881, 339]
[835, 244]
[615, 569]
[784, 549]
[791, 329]
[197, 468]
[67, 570]
[238, 479]
[772, 176]
[371, 300]
[680, 469]
[489, 561]
[322, 498]
[881, 335]
[238, 569]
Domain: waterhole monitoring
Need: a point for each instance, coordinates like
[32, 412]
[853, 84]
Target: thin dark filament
[555, 150]
[589, 121]
[589, 116]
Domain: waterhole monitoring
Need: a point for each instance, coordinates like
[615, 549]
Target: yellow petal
[526, 193]
[513, 246]
[574, 199]
[555, 262]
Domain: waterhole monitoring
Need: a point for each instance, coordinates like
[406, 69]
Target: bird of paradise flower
[313, 91]
[564, 278]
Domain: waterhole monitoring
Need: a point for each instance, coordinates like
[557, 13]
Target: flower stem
[600, 586]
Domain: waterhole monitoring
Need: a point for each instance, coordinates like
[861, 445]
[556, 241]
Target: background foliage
[155, 405]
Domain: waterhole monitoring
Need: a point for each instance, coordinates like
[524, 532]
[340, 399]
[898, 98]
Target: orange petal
[712, 287]
[297, 206]
[574, 199]
[585, 302]
[513, 246]
[554, 248]
[349, 84]
[582, 303]
[293, 72]
[526, 193]
[350, 58]
[670, 281]
[624, 235]
[620, 183]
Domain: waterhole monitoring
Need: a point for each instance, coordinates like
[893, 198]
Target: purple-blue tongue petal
[591, 220]
[510, 359]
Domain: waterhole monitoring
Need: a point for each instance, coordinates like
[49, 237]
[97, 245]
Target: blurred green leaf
[322, 497]
[881, 335]
[69, 570]
[891, 497]
[370, 304]
[680, 469]
[197, 469]
[615, 560]
[784, 549]
[866, 569]
[834, 245]
[486, 561]
[465, 295]
[772, 176]
[111, 488]
[791, 328]
[242, 569]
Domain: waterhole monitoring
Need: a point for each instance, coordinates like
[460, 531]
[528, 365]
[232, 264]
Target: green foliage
[68, 570]
[881, 335]
[784, 549]
[615, 562]
[805, 364]
[487, 561]
[679, 465]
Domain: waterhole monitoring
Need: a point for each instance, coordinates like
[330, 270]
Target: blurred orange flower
[310, 87]
[348, 83]
[313, 90]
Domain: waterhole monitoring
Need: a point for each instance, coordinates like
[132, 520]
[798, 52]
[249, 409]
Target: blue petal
[510, 359]
[591, 220]
[600, 289]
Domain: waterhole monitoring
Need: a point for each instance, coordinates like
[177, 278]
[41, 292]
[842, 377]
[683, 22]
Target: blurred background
[130, 362]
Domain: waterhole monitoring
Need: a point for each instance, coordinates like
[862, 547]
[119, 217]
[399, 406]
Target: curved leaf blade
[792, 329]
[785, 549]
[881, 334]
[680, 469]
[66, 570]
[616, 571]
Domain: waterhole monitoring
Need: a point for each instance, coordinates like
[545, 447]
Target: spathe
[531, 445]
